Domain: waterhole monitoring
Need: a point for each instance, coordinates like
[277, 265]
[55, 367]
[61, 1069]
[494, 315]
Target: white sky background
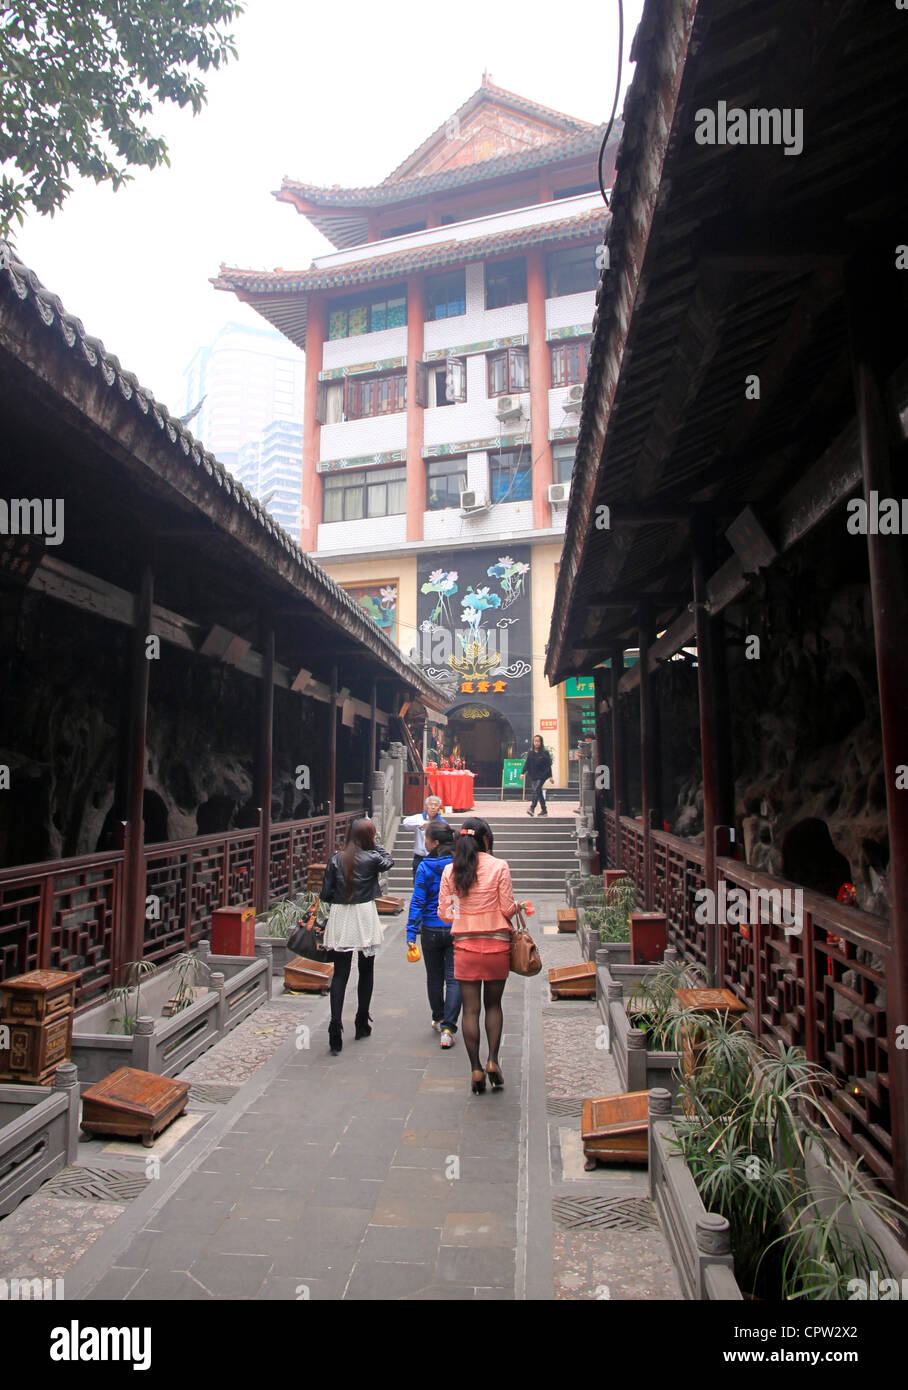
[334, 94]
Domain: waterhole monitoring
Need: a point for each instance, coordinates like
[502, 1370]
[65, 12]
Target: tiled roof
[25, 284]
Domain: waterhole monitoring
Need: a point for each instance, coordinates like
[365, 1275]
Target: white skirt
[353, 927]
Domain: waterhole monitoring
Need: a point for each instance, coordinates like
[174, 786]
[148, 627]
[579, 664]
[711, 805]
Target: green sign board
[579, 688]
[512, 773]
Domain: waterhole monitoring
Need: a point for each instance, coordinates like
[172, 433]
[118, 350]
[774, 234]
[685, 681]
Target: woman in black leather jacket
[351, 886]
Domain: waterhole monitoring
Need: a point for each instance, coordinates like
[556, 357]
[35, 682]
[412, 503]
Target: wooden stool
[133, 1103]
[567, 919]
[308, 976]
[614, 1129]
[573, 981]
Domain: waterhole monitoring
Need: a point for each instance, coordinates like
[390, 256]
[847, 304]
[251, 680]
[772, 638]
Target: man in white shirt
[419, 822]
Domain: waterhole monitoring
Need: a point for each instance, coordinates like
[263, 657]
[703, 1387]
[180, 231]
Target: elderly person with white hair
[432, 814]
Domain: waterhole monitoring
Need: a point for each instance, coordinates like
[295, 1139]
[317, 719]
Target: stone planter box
[236, 987]
[280, 952]
[39, 1134]
[699, 1240]
[639, 1068]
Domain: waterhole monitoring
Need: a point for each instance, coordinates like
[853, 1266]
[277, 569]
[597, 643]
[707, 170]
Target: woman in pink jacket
[476, 897]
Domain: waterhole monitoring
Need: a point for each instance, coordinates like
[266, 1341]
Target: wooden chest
[233, 931]
[567, 919]
[308, 976]
[573, 981]
[315, 876]
[37, 1008]
[649, 937]
[135, 1104]
[614, 1129]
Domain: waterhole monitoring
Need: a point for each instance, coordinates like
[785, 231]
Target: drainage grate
[212, 1093]
[565, 1105]
[96, 1184]
[612, 1213]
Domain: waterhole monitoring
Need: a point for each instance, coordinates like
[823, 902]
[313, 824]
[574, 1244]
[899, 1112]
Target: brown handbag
[525, 958]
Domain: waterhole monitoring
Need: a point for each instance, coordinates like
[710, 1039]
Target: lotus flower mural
[510, 575]
[444, 584]
[474, 603]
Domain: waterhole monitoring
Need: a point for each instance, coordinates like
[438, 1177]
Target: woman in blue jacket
[437, 942]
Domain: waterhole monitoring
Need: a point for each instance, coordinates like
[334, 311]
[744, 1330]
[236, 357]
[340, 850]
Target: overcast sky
[334, 94]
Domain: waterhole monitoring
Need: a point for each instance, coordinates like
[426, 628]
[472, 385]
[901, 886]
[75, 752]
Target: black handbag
[307, 939]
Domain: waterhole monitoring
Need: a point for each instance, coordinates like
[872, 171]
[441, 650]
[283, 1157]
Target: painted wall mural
[475, 626]
[379, 601]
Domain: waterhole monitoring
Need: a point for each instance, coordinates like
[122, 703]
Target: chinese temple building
[446, 343]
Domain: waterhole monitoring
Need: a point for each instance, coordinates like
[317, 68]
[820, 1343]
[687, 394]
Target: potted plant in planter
[188, 970]
[280, 922]
[134, 972]
[746, 1132]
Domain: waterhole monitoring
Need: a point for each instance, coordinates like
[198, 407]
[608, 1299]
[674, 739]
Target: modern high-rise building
[245, 378]
[446, 343]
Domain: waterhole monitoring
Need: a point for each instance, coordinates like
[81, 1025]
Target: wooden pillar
[263, 757]
[646, 753]
[540, 381]
[706, 693]
[616, 673]
[132, 931]
[878, 427]
[416, 468]
[373, 719]
[332, 760]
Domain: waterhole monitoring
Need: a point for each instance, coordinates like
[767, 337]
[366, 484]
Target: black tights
[342, 961]
[488, 992]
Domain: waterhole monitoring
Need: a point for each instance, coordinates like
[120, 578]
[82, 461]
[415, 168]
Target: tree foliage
[78, 78]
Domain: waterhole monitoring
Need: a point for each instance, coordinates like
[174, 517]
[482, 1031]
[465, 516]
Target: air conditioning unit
[574, 398]
[508, 407]
[558, 494]
[473, 502]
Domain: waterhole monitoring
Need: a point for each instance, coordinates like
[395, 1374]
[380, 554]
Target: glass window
[354, 495]
[563, 461]
[569, 361]
[446, 479]
[506, 283]
[375, 395]
[446, 295]
[571, 271]
[510, 472]
[347, 318]
[509, 371]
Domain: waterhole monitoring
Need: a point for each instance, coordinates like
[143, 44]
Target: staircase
[538, 852]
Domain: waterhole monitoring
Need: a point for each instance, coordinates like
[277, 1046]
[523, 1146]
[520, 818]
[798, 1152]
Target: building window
[563, 461]
[506, 283]
[375, 395]
[509, 371]
[569, 361]
[448, 384]
[446, 295]
[571, 272]
[511, 476]
[446, 479]
[402, 231]
[354, 495]
[366, 313]
[591, 187]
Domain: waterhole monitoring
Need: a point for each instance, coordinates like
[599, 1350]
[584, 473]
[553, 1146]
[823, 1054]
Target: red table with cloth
[454, 788]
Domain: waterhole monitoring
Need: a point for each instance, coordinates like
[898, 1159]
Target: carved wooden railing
[67, 914]
[820, 986]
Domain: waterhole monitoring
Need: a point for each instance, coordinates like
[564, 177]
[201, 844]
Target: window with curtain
[510, 475]
[351, 496]
[446, 295]
[563, 461]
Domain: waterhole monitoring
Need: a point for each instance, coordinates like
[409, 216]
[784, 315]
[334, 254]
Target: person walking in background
[351, 886]
[431, 815]
[538, 769]
[477, 898]
[437, 942]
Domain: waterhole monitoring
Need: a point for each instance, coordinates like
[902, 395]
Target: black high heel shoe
[335, 1038]
[363, 1024]
[493, 1072]
[478, 1087]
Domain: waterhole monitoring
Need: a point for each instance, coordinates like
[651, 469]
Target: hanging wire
[611, 119]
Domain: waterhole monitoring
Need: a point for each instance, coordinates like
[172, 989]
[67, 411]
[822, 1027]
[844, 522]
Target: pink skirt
[481, 958]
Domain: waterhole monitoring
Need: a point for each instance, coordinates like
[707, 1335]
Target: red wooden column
[646, 755]
[316, 332]
[540, 381]
[416, 468]
[879, 429]
[263, 753]
[617, 751]
[706, 693]
[332, 761]
[130, 945]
